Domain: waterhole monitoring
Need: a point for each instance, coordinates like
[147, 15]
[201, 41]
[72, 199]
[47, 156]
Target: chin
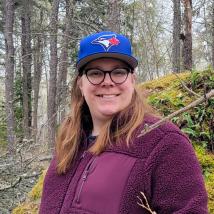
[108, 114]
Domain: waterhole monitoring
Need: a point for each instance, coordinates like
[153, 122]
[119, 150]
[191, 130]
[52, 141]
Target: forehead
[106, 63]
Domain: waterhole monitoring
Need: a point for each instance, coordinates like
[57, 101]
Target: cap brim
[128, 59]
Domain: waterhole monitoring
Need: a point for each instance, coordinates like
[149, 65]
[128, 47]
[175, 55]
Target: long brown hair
[70, 132]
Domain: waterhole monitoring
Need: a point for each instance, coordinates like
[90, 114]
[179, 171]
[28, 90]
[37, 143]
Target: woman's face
[106, 99]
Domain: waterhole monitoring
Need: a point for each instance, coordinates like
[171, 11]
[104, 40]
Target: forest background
[38, 49]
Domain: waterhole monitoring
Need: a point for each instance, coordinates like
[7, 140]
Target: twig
[12, 185]
[184, 85]
[191, 105]
[146, 205]
[18, 180]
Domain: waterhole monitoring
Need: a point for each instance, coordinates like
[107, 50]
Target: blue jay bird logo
[106, 41]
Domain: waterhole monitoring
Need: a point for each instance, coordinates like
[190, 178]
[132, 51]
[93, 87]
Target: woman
[101, 166]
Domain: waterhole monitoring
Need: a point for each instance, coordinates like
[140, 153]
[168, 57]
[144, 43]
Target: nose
[107, 80]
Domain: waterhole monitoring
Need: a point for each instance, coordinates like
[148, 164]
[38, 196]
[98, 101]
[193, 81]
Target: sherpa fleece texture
[161, 164]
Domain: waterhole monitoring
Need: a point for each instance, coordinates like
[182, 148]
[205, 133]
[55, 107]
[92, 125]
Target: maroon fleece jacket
[161, 164]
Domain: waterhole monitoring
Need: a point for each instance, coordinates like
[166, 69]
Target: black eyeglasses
[96, 76]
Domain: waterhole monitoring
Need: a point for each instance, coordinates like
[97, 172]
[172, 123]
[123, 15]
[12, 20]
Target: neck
[97, 126]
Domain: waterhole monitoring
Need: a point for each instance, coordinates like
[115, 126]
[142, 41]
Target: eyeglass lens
[97, 76]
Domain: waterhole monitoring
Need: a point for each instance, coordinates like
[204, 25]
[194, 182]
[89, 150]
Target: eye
[94, 73]
[120, 71]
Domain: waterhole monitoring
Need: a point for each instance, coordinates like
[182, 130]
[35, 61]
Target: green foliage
[170, 96]
[207, 162]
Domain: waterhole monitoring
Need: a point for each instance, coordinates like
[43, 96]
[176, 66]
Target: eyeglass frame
[128, 69]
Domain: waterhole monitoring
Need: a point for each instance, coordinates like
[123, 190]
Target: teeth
[109, 96]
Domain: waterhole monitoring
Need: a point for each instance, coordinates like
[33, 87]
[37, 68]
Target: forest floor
[18, 174]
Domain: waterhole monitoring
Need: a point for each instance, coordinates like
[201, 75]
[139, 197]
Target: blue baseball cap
[105, 44]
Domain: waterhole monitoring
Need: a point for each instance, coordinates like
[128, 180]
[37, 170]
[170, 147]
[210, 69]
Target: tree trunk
[176, 36]
[187, 46]
[26, 66]
[63, 64]
[113, 17]
[9, 72]
[213, 35]
[53, 74]
[38, 56]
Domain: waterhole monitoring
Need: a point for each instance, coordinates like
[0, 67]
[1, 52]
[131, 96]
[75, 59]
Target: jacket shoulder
[142, 145]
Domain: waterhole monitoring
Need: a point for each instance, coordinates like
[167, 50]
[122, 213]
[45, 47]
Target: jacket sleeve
[177, 184]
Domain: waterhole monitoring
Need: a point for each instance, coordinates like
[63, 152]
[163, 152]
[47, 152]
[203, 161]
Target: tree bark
[176, 36]
[187, 45]
[113, 17]
[213, 35]
[53, 74]
[62, 87]
[26, 66]
[38, 56]
[9, 72]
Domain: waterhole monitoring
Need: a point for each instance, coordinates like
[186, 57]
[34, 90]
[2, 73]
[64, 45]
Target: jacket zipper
[84, 178]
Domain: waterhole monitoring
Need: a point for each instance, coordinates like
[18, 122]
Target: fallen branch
[185, 86]
[18, 180]
[191, 105]
[11, 185]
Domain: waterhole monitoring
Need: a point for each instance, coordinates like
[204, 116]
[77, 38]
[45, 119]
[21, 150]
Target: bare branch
[191, 105]
[185, 86]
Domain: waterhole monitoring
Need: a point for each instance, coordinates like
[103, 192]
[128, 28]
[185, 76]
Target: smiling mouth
[108, 95]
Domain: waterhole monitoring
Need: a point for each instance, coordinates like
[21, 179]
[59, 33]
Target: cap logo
[106, 41]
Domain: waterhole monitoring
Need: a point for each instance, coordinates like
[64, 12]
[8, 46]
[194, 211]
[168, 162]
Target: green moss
[164, 82]
[207, 162]
[31, 206]
[36, 192]
[210, 190]
[167, 95]
[26, 208]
